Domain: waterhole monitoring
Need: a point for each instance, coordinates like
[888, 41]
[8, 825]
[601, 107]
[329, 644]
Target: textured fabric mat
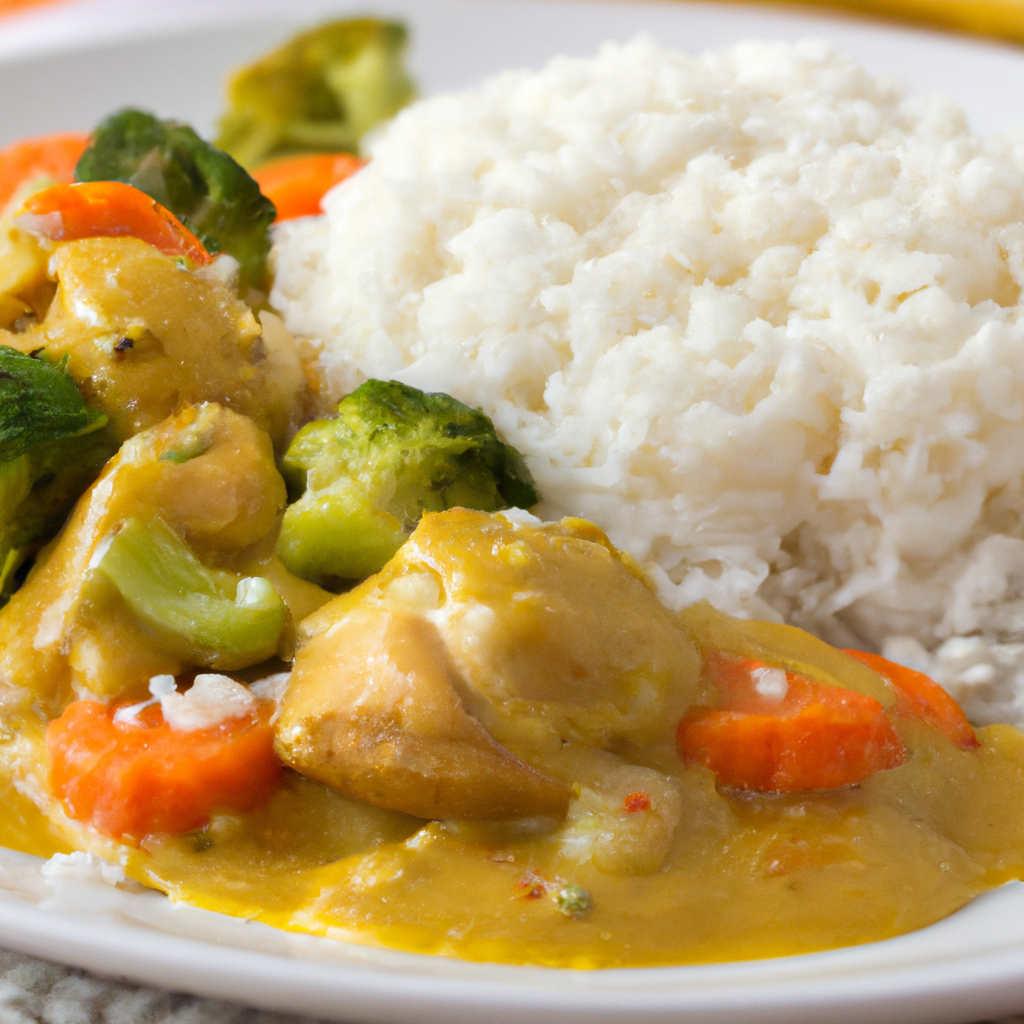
[36, 992]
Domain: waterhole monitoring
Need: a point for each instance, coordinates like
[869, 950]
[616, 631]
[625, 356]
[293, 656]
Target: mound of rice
[756, 313]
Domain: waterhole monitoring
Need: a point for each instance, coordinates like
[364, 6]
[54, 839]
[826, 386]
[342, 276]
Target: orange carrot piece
[51, 156]
[815, 737]
[918, 696]
[109, 209]
[295, 185]
[132, 779]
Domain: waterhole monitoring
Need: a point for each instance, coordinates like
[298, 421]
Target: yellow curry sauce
[699, 875]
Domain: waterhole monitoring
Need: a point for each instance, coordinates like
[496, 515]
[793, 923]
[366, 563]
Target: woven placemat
[37, 992]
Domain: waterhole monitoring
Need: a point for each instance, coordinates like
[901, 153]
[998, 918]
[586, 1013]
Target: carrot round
[109, 209]
[50, 157]
[295, 185]
[132, 779]
[814, 736]
[918, 696]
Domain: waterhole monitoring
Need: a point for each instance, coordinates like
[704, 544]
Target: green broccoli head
[201, 185]
[366, 477]
[320, 92]
[39, 402]
[52, 447]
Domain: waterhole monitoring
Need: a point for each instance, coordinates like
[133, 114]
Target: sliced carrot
[814, 737]
[918, 696]
[50, 157]
[132, 779]
[295, 185]
[108, 209]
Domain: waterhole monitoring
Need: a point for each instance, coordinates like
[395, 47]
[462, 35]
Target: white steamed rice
[755, 312]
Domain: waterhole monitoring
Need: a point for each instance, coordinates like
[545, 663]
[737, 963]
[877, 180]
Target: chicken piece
[25, 290]
[373, 710]
[542, 638]
[144, 335]
[159, 568]
[624, 822]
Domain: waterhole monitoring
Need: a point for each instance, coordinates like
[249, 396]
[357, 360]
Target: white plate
[65, 67]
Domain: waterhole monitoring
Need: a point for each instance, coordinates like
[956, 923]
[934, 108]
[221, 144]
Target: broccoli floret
[52, 446]
[320, 92]
[38, 490]
[201, 185]
[366, 477]
[39, 402]
[205, 616]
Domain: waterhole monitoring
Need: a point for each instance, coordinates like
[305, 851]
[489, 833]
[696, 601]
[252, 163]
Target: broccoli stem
[208, 617]
[339, 534]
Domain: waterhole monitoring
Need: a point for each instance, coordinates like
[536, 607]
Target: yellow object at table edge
[999, 19]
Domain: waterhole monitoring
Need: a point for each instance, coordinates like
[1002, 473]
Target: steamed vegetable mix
[200, 184]
[320, 92]
[52, 446]
[366, 477]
